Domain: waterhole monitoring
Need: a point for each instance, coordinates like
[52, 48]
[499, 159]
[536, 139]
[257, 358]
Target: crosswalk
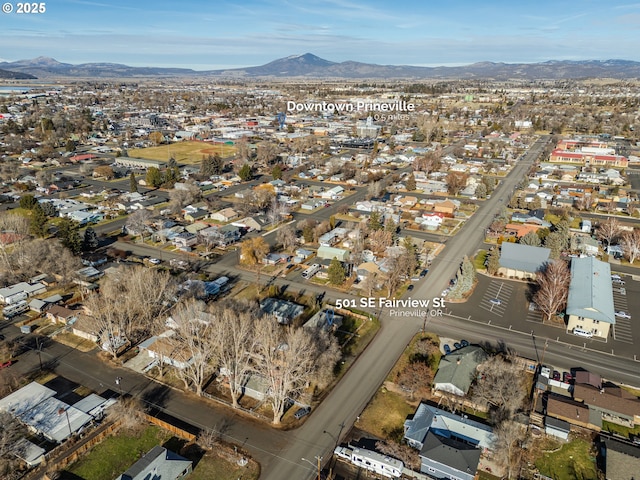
[622, 327]
[496, 291]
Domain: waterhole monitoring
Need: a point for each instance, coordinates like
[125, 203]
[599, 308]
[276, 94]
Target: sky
[213, 34]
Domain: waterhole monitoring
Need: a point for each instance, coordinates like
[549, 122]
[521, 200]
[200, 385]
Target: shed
[557, 428]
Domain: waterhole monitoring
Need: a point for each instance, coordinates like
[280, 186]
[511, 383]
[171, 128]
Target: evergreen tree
[68, 232]
[411, 183]
[153, 177]
[276, 172]
[493, 261]
[48, 209]
[90, 241]
[245, 172]
[530, 238]
[375, 221]
[28, 201]
[38, 222]
[466, 279]
[133, 185]
[336, 272]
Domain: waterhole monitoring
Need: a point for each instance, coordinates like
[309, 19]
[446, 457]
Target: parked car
[154, 261]
[410, 287]
[582, 333]
[302, 412]
[6, 364]
[615, 277]
[423, 273]
[556, 375]
[495, 301]
[464, 343]
[545, 371]
[567, 377]
[622, 314]
[447, 349]
[457, 345]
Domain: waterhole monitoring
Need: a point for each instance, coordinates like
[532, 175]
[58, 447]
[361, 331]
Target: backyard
[572, 460]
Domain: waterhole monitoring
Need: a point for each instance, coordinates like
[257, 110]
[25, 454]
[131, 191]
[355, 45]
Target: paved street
[280, 453]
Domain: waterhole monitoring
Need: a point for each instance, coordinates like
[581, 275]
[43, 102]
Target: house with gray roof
[590, 301]
[429, 418]
[158, 464]
[284, 311]
[458, 369]
[443, 457]
[521, 261]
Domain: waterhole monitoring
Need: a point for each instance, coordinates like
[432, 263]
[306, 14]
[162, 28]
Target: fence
[178, 432]
[66, 454]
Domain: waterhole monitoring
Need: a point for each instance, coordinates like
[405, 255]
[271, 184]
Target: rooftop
[590, 290]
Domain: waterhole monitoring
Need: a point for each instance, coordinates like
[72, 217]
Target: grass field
[116, 454]
[384, 417]
[572, 461]
[190, 153]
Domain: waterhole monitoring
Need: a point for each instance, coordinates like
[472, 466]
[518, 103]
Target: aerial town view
[332, 240]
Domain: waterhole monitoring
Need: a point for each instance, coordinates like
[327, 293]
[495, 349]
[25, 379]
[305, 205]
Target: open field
[190, 153]
[572, 461]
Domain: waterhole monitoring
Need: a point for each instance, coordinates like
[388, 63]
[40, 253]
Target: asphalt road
[280, 453]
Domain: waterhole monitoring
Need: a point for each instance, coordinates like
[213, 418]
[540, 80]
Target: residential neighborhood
[233, 276]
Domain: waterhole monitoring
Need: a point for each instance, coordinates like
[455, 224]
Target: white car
[615, 277]
[154, 261]
[622, 314]
[495, 301]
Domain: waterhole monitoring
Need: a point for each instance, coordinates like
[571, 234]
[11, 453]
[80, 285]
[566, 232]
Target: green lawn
[619, 429]
[479, 260]
[572, 461]
[115, 454]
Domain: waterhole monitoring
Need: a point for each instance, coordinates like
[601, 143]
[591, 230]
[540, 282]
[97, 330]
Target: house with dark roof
[613, 403]
[571, 411]
[443, 457]
[158, 464]
[621, 459]
[458, 369]
[590, 301]
[521, 261]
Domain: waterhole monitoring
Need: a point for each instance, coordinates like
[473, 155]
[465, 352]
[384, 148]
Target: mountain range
[310, 66]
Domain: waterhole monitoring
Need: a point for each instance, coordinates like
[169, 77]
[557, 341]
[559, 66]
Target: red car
[556, 375]
[6, 364]
[567, 377]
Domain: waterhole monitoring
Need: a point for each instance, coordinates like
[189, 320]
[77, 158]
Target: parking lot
[506, 303]
[496, 298]
[622, 329]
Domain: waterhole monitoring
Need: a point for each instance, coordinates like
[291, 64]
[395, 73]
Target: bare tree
[128, 305]
[291, 360]
[14, 230]
[235, 341]
[499, 385]
[508, 446]
[415, 378]
[252, 251]
[380, 239]
[631, 244]
[137, 222]
[194, 344]
[456, 181]
[181, 197]
[552, 287]
[410, 456]
[10, 432]
[286, 236]
[608, 230]
[129, 411]
[370, 283]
